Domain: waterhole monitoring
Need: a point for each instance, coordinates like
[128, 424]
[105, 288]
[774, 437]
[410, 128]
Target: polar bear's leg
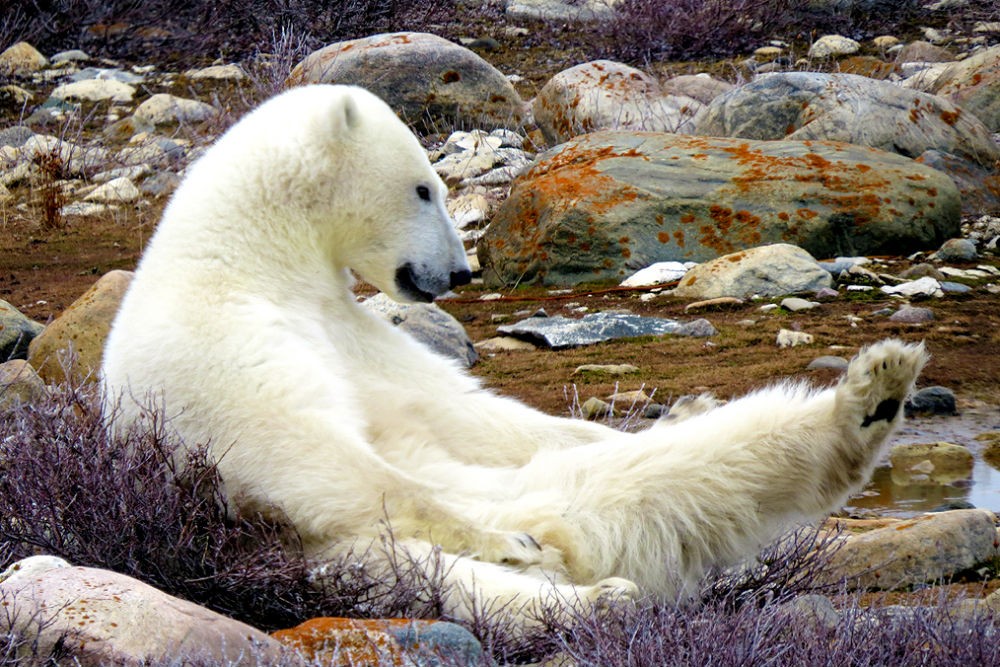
[470, 586]
[663, 506]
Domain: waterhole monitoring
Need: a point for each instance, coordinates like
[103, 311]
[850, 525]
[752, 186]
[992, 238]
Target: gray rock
[607, 95]
[119, 190]
[70, 56]
[702, 87]
[560, 332]
[949, 287]
[160, 183]
[15, 136]
[16, 332]
[932, 401]
[957, 250]
[114, 619]
[556, 10]
[828, 362]
[428, 80]
[912, 315]
[19, 383]
[595, 408]
[700, 328]
[813, 610]
[923, 270]
[605, 204]
[773, 270]
[863, 111]
[429, 324]
[928, 548]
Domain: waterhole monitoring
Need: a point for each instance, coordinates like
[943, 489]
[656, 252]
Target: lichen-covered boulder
[428, 80]
[974, 83]
[605, 204]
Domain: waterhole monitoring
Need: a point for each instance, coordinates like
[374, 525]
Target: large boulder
[72, 346]
[850, 108]
[863, 111]
[429, 81]
[98, 617]
[974, 83]
[605, 204]
[606, 95]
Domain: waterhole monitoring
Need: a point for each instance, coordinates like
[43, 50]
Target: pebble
[932, 401]
[714, 304]
[828, 362]
[795, 304]
[607, 369]
[912, 315]
[921, 287]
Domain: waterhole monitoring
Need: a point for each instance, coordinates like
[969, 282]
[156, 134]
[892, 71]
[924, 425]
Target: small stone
[714, 304]
[595, 408]
[795, 304]
[468, 209]
[230, 72]
[949, 287]
[700, 328]
[922, 287]
[833, 45]
[162, 109]
[885, 41]
[116, 191]
[19, 383]
[957, 250]
[932, 401]
[828, 362]
[789, 338]
[637, 397]
[658, 274]
[21, 59]
[505, 344]
[912, 315]
[71, 56]
[95, 90]
[655, 411]
[921, 271]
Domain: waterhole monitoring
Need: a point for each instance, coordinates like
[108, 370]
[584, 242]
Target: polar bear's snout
[419, 284]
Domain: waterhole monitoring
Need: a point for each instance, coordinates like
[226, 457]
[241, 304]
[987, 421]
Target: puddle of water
[982, 490]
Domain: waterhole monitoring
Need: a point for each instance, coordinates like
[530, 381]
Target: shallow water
[982, 490]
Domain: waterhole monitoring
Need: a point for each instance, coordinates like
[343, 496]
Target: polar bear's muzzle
[424, 288]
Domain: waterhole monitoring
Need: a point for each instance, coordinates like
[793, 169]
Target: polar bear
[241, 328]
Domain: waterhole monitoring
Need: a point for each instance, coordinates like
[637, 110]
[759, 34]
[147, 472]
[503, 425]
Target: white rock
[925, 286]
[833, 45]
[116, 191]
[468, 209]
[658, 273]
[84, 209]
[162, 108]
[95, 90]
[795, 304]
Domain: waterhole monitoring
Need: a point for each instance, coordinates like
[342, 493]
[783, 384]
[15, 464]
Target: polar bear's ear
[345, 116]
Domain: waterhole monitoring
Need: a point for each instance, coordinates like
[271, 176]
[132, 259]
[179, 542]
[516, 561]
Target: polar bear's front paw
[514, 549]
[879, 379]
[609, 592]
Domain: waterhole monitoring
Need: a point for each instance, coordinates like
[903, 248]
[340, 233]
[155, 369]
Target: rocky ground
[51, 253]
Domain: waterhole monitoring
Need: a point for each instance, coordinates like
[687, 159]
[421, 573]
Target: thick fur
[241, 327]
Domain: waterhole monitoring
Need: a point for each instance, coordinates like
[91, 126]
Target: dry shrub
[143, 508]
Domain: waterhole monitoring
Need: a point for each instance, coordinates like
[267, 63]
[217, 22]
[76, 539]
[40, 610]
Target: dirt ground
[43, 270]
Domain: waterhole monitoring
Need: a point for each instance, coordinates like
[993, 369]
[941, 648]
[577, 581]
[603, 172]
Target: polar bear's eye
[423, 192]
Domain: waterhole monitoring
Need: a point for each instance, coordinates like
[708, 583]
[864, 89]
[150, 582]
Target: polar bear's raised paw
[878, 381]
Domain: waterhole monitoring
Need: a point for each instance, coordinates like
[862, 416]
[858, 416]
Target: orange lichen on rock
[345, 642]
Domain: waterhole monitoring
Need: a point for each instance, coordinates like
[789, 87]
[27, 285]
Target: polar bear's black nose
[463, 277]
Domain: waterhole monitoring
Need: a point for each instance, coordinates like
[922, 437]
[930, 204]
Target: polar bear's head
[362, 182]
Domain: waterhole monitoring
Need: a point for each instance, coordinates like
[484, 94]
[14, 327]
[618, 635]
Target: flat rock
[428, 80]
[561, 332]
[101, 618]
[95, 90]
[767, 271]
[658, 274]
[602, 205]
[607, 369]
[925, 286]
[928, 548]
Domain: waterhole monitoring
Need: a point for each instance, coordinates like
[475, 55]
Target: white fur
[241, 325]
